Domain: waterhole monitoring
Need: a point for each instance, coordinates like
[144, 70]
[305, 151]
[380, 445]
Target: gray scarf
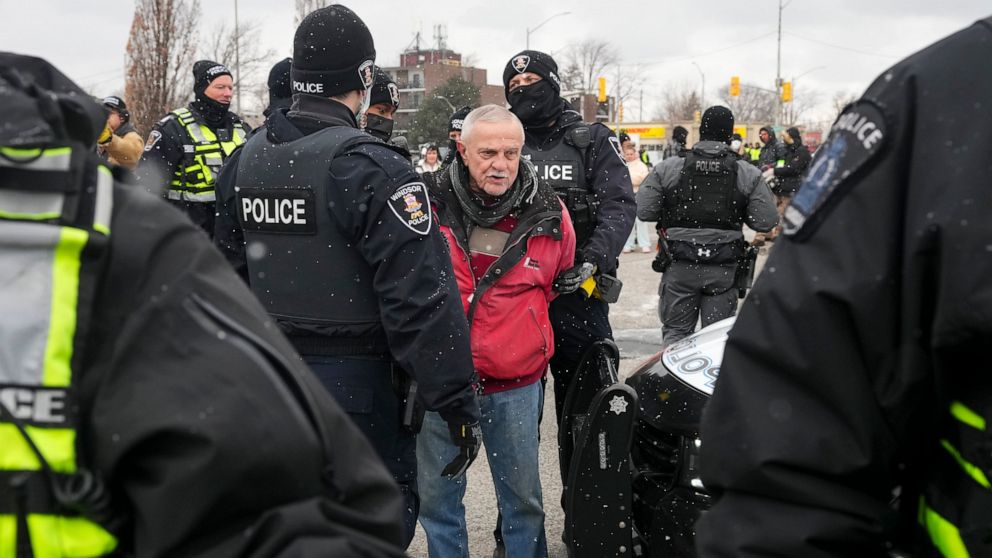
[522, 191]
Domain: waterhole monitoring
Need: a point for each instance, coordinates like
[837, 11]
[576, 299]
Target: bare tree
[627, 82]
[246, 42]
[160, 52]
[304, 7]
[754, 104]
[585, 62]
[841, 99]
[802, 103]
[679, 101]
[251, 61]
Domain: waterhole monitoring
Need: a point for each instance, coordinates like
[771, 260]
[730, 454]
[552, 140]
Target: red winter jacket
[507, 310]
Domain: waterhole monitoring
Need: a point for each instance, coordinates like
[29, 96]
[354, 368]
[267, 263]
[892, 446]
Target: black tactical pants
[577, 322]
[202, 214]
[693, 291]
[364, 389]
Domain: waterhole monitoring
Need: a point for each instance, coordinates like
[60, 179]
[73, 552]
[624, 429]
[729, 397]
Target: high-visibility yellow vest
[955, 507]
[53, 231]
[202, 160]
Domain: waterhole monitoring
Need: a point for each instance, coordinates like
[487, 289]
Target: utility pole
[702, 90]
[640, 107]
[778, 66]
[237, 55]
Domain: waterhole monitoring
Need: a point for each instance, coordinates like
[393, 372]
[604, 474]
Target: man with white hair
[510, 237]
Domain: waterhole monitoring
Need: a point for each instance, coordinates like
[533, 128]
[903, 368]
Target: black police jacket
[407, 268]
[839, 373]
[214, 438]
[607, 179]
[789, 176]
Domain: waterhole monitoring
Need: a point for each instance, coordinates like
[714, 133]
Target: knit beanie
[458, 119]
[204, 72]
[532, 61]
[333, 53]
[384, 89]
[279, 88]
[717, 124]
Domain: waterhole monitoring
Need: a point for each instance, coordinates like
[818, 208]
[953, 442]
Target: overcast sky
[843, 44]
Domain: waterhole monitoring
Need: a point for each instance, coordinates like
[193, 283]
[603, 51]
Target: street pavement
[637, 332]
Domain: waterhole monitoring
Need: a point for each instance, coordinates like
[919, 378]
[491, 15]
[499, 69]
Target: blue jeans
[510, 435]
[640, 235]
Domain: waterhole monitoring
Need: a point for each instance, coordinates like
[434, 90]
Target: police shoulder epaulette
[856, 142]
[387, 157]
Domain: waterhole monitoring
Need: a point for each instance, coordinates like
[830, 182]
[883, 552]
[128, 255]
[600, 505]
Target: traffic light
[602, 90]
[735, 86]
[620, 118]
[787, 92]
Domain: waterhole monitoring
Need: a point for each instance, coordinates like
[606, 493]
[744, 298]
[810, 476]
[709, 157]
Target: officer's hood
[40, 106]
[279, 129]
[710, 148]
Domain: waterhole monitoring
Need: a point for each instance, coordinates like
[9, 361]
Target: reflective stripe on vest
[194, 180]
[41, 277]
[943, 534]
[940, 521]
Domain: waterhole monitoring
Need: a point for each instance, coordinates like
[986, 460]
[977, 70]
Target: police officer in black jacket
[703, 199]
[789, 175]
[384, 101]
[583, 163]
[170, 419]
[853, 409]
[186, 149]
[343, 252]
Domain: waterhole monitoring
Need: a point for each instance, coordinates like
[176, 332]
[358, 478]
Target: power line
[701, 55]
[841, 47]
[97, 74]
[118, 75]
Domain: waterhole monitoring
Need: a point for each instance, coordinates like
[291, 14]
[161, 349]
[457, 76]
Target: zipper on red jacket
[481, 288]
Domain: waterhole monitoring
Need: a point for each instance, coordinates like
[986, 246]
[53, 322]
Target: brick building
[421, 71]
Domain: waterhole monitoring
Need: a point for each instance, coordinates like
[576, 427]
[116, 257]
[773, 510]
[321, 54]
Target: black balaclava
[333, 53]
[280, 91]
[680, 135]
[384, 92]
[204, 72]
[40, 106]
[539, 104]
[717, 125]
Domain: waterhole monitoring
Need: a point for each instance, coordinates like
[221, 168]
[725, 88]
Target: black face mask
[213, 111]
[536, 105]
[378, 126]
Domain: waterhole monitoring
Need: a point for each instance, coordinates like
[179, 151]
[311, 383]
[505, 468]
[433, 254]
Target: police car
[633, 487]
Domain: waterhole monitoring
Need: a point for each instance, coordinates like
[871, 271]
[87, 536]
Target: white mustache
[498, 175]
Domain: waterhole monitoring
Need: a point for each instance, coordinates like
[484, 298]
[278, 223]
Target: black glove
[468, 438]
[570, 280]
[663, 258]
